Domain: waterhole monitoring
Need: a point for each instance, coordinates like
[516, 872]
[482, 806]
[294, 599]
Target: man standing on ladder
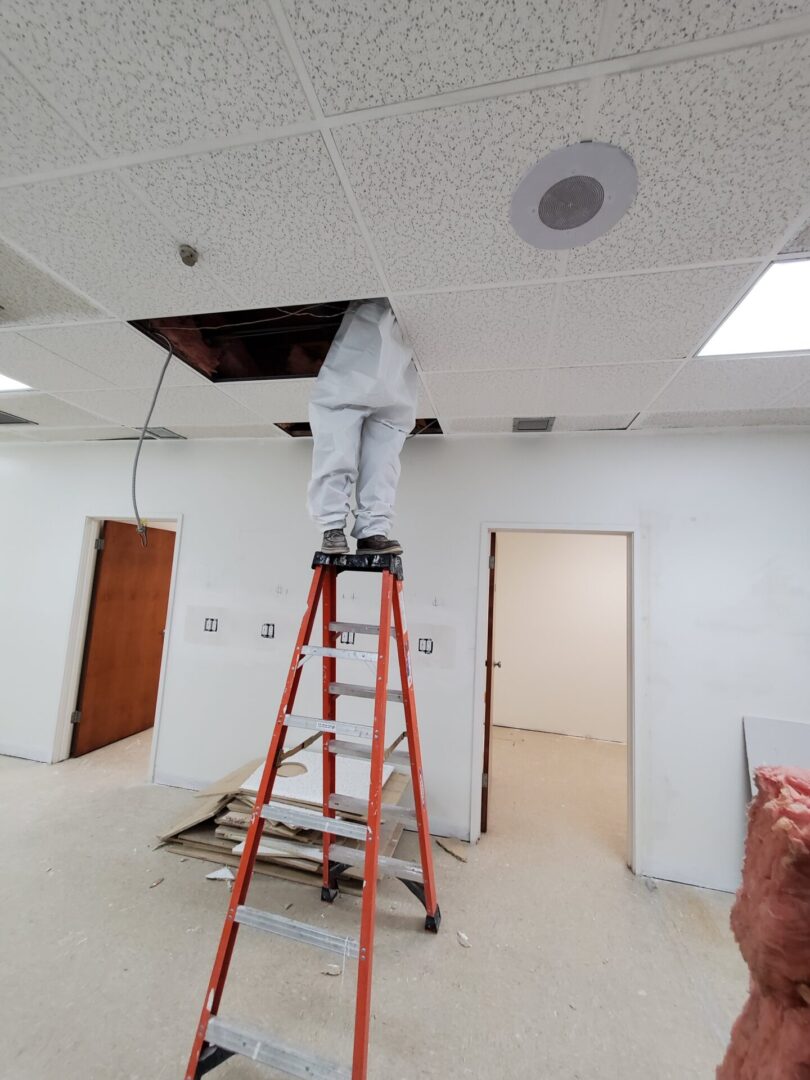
[363, 406]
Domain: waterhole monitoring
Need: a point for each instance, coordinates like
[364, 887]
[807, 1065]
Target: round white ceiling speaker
[573, 195]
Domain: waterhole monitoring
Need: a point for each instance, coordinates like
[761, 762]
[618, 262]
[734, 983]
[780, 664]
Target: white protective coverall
[362, 408]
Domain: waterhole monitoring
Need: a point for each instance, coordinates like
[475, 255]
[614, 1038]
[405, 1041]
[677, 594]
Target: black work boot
[378, 545]
[334, 542]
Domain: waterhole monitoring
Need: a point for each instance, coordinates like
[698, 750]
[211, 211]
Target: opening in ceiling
[262, 343]
[9, 418]
[423, 426]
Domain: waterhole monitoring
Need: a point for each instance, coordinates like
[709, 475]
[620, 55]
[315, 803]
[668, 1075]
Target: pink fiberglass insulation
[771, 922]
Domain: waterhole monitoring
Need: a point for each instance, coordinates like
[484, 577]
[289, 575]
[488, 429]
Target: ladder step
[297, 931]
[396, 759]
[357, 628]
[308, 819]
[270, 1051]
[336, 727]
[345, 689]
[347, 804]
[340, 654]
[350, 856]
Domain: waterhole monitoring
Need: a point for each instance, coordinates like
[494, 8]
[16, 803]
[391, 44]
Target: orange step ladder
[217, 1039]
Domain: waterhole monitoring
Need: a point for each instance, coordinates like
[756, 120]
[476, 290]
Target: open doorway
[558, 685]
[123, 643]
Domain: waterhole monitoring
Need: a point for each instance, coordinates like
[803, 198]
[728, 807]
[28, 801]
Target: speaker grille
[571, 202]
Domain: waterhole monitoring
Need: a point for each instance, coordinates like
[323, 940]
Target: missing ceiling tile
[423, 426]
[10, 418]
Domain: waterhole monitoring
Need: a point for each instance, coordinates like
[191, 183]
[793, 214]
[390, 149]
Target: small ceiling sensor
[188, 255]
[573, 195]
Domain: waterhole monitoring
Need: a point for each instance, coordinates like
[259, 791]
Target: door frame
[77, 633]
[636, 661]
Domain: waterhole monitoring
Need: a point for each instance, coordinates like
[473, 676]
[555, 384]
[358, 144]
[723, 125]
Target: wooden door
[124, 641]
[485, 779]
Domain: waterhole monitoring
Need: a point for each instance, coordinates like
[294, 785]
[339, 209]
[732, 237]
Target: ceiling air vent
[10, 418]
[532, 423]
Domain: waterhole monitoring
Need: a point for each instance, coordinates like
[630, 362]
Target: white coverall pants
[362, 408]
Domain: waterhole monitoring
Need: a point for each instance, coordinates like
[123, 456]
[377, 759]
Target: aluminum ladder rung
[387, 866]
[347, 804]
[396, 759]
[340, 654]
[308, 819]
[297, 931]
[336, 727]
[357, 628]
[345, 689]
[271, 1051]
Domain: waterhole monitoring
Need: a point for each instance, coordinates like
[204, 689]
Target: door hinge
[76, 716]
[492, 562]
[485, 780]
[99, 544]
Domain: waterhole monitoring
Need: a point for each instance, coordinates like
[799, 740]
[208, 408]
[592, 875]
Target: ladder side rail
[363, 1008]
[415, 750]
[216, 984]
[329, 638]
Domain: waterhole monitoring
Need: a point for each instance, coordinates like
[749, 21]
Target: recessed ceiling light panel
[573, 195]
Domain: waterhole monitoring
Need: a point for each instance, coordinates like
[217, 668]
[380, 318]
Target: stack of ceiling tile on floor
[215, 824]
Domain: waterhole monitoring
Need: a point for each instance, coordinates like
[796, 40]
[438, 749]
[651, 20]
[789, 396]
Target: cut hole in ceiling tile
[10, 418]
[302, 430]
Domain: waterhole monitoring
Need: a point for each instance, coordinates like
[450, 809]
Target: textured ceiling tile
[710, 385]
[550, 392]
[641, 25]
[731, 418]
[271, 221]
[369, 52]
[477, 425]
[798, 398]
[480, 329]
[721, 145]
[31, 297]
[640, 318]
[277, 400]
[93, 232]
[76, 434]
[195, 406]
[245, 431]
[155, 74]
[435, 187]
[34, 137]
[799, 243]
[593, 423]
[119, 355]
[50, 411]
[38, 367]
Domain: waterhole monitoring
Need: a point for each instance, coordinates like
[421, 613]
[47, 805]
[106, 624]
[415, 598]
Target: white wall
[560, 633]
[723, 583]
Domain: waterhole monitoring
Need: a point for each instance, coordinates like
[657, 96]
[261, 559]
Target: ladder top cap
[368, 563]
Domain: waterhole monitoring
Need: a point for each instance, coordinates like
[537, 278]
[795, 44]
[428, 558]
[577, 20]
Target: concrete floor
[575, 969]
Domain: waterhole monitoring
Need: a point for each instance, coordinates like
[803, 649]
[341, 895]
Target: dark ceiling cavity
[10, 418]
[423, 426]
[263, 343]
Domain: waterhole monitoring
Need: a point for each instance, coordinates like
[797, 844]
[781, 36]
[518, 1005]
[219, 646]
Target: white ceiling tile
[549, 392]
[116, 353]
[800, 242]
[731, 418]
[721, 145]
[194, 406]
[481, 329]
[35, 365]
[641, 25]
[31, 297]
[149, 75]
[476, 425]
[93, 232]
[76, 434]
[34, 137]
[245, 431]
[712, 385]
[272, 221]
[49, 410]
[640, 318]
[612, 422]
[366, 52]
[798, 398]
[435, 186]
[277, 400]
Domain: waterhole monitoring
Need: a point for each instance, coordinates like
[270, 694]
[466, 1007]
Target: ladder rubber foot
[433, 922]
[328, 895]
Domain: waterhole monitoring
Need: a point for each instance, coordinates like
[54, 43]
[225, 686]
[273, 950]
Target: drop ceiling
[317, 152]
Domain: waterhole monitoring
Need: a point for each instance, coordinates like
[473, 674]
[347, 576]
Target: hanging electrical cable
[140, 526]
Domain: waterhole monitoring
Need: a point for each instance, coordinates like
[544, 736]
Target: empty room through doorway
[559, 679]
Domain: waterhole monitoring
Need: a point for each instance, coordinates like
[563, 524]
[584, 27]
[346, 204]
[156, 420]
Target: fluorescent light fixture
[7, 384]
[773, 316]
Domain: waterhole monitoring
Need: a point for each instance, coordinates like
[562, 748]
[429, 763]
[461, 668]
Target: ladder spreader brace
[216, 1039]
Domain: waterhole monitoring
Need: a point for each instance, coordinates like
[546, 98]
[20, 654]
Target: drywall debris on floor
[223, 874]
[463, 940]
[770, 920]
